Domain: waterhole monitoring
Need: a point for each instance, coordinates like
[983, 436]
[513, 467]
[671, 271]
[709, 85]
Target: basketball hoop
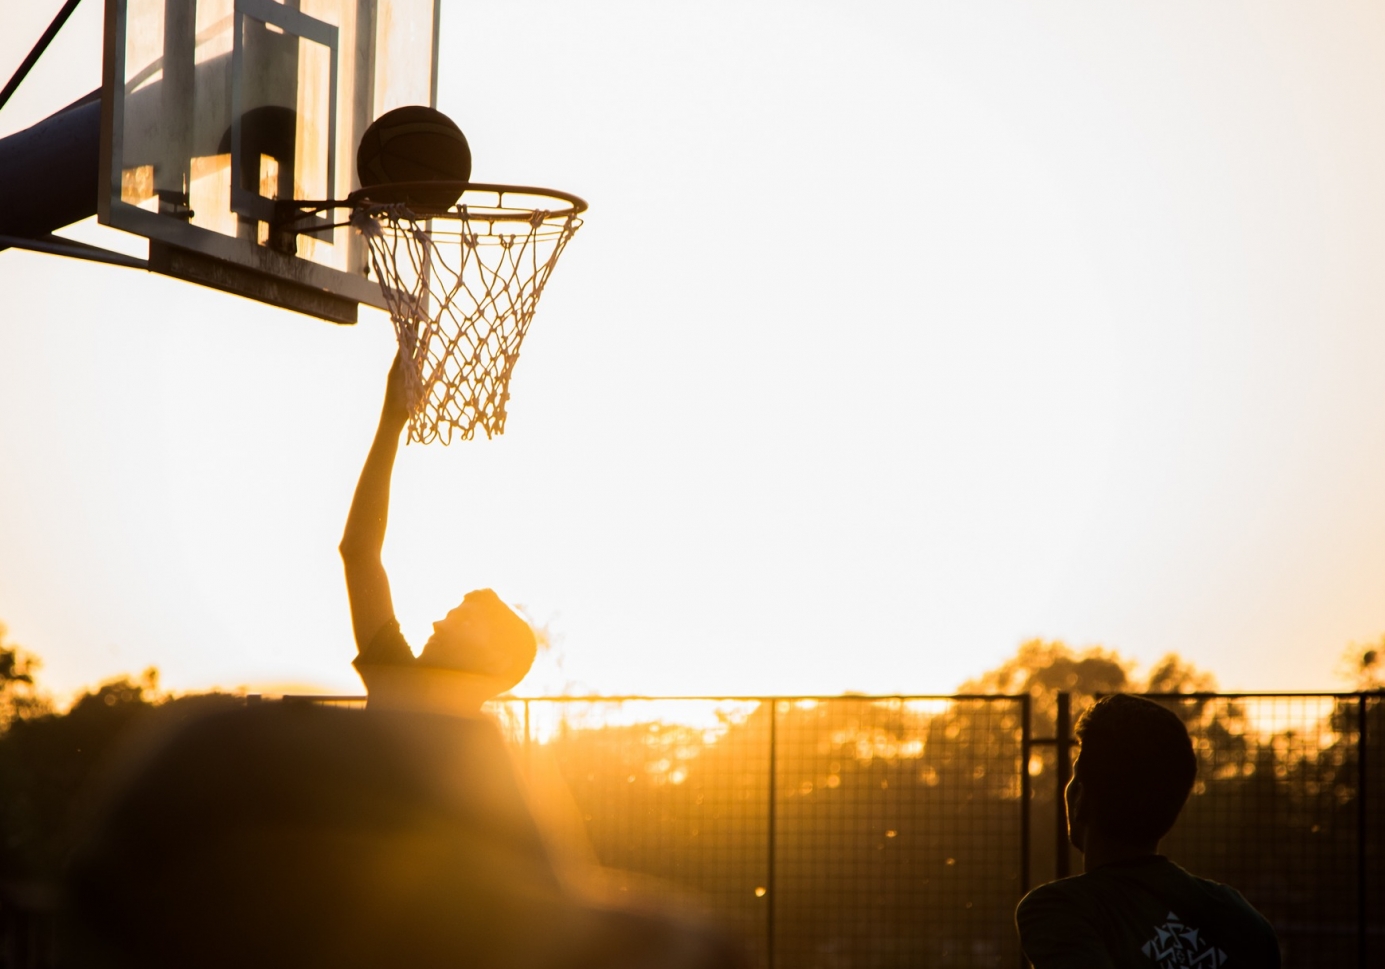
[462, 283]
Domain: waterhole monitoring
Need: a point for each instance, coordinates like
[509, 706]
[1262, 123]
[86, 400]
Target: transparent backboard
[215, 109]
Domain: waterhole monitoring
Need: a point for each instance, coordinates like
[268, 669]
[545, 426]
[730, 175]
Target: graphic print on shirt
[1177, 944]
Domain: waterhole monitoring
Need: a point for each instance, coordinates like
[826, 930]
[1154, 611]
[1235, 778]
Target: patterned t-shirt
[1145, 913]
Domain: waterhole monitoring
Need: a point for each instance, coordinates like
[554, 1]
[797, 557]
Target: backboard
[213, 110]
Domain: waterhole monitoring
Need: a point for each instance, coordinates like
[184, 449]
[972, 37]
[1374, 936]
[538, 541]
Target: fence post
[1361, 771]
[1026, 751]
[770, 888]
[1026, 792]
[1063, 746]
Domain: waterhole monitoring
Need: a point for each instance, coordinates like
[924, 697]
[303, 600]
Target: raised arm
[367, 585]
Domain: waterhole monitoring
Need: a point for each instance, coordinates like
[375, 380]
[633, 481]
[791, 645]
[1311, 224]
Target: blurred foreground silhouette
[297, 835]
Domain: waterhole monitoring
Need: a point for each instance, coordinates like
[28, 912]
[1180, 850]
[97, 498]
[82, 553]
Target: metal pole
[528, 756]
[1026, 751]
[38, 49]
[1361, 757]
[1063, 746]
[770, 893]
[437, 46]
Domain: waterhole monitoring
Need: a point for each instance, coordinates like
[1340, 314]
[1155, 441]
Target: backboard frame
[266, 269]
[298, 24]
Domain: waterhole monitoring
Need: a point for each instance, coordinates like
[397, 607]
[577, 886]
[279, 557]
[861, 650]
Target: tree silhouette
[1364, 665]
[51, 764]
[1045, 668]
[19, 694]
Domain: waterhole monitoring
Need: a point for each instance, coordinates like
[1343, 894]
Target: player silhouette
[296, 836]
[1132, 907]
[481, 649]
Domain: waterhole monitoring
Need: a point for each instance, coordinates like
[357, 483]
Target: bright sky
[898, 333]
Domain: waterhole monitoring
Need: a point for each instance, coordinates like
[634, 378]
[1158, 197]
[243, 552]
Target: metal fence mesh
[899, 832]
[851, 831]
[673, 796]
[894, 837]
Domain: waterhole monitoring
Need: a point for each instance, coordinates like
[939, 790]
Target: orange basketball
[414, 144]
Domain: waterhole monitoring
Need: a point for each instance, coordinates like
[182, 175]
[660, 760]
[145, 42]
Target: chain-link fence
[902, 831]
[854, 831]
[827, 831]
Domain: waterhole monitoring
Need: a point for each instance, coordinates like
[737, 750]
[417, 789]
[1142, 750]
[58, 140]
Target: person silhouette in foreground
[296, 836]
[1132, 907]
[480, 650]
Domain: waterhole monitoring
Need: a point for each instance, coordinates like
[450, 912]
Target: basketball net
[461, 288]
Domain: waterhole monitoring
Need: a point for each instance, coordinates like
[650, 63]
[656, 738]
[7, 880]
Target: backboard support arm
[58, 246]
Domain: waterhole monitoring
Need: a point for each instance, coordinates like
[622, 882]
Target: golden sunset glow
[894, 337]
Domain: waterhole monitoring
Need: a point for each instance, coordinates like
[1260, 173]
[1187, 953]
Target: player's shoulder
[1233, 900]
[1061, 925]
[1064, 895]
[1238, 921]
[1049, 891]
[1213, 889]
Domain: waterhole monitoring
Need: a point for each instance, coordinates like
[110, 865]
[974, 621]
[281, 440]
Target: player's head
[479, 651]
[1134, 771]
[482, 636]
